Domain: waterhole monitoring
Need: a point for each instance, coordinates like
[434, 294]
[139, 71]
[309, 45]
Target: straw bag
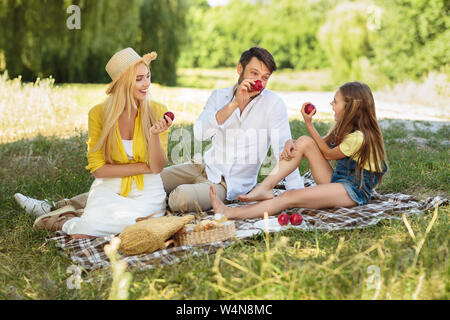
[149, 235]
[205, 232]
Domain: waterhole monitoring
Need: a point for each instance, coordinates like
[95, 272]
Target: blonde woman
[127, 150]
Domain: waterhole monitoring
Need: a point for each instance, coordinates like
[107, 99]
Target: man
[242, 123]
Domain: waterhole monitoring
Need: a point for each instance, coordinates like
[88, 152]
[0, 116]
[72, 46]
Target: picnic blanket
[89, 253]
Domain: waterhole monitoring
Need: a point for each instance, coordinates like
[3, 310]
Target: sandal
[52, 220]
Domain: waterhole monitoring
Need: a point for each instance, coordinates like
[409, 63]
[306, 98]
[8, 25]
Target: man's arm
[216, 113]
[223, 114]
[207, 123]
[244, 94]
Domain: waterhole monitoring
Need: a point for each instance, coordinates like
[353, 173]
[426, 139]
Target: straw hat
[149, 235]
[122, 60]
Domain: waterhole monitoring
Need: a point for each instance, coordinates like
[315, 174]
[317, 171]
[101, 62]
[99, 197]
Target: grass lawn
[385, 261]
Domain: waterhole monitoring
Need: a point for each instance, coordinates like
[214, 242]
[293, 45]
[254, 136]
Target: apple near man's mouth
[257, 86]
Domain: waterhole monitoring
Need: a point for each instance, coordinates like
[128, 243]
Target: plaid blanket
[89, 253]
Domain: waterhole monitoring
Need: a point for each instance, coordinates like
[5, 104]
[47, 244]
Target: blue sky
[214, 3]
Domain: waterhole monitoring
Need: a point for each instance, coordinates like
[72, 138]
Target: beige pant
[186, 184]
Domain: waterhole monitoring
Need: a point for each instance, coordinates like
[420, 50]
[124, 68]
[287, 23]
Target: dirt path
[401, 112]
[408, 114]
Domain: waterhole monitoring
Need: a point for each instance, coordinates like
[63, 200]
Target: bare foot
[217, 204]
[259, 193]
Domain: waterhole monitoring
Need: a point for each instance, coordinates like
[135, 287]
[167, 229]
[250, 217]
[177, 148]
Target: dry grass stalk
[408, 226]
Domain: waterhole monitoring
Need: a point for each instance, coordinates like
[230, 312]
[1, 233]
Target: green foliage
[387, 41]
[218, 36]
[345, 36]
[36, 46]
[376, 41]
[162, 27]
[413, 38]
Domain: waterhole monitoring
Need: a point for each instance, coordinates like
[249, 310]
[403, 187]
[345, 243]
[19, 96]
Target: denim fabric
[345, 173]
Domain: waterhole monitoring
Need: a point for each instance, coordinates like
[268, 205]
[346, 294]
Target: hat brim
[147, 58]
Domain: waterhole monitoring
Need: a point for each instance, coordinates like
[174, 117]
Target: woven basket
[221, 233]
[148, 235]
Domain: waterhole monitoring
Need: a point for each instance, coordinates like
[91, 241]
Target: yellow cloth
[96, 159]
[351, 144]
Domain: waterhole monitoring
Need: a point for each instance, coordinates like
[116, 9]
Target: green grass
[299, 265]
[286, 265]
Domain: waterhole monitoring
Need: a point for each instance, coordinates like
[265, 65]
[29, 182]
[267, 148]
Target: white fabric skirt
[108, 213]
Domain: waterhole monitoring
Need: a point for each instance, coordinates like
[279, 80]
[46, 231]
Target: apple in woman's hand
[257, 86]
[309, 108]
[170, 115]
[283, 219]
[296, 219]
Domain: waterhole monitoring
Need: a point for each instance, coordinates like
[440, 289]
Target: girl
[355, 142]
[127, 150]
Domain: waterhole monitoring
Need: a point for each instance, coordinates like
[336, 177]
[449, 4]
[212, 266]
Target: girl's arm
[328, 153]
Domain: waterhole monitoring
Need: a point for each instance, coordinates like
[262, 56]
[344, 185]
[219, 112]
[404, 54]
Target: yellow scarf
[96, 159]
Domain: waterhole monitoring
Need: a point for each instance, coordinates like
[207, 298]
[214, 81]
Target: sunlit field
[44, 108]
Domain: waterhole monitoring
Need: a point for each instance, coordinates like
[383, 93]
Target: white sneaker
[33, 206]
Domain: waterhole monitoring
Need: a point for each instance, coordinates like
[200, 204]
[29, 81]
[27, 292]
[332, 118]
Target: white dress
[108, 213]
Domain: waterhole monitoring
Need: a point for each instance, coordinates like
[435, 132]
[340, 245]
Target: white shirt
[128, 146]
[241, 143]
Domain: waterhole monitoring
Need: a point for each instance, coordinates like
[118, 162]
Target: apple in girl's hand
[309, 108]
[170, 115]
[257, 86]
[283, 219]
[296, 219]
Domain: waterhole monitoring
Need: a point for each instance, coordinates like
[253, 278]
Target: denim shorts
[345, 174]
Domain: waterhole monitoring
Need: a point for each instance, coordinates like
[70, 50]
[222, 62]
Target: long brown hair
[359, 114]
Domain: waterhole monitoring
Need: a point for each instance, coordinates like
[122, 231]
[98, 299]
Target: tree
[36, 41]
[287, 28]
[413, 38]
[162, 25]
[346, 39]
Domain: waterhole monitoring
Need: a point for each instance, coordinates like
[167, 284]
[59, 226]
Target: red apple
[296, 219]
[283, 219]
[170, 115]
[309, 108]
[257, 86]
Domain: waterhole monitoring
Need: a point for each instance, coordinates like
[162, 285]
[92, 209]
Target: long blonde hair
[359, 114]
[122, 98]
